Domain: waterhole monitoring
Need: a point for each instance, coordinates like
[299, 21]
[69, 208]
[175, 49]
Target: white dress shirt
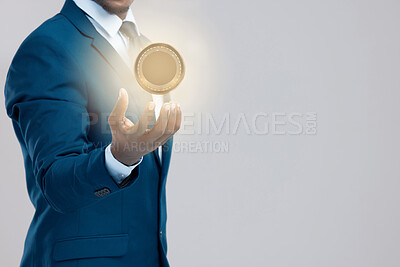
[108, 26]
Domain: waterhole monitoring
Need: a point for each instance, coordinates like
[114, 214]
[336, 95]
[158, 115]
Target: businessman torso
[61, 87]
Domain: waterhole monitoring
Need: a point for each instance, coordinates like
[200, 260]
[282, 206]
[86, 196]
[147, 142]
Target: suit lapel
[166, 156]
[138, 96]
[157, 156]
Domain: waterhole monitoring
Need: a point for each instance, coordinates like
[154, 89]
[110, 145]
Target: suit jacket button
[102, 192]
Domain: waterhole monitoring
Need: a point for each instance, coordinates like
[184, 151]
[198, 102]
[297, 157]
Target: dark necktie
[128, 29]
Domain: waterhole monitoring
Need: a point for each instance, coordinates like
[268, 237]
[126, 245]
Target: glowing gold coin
[159, 68]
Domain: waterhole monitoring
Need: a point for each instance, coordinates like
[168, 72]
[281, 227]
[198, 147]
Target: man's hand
[132, 141]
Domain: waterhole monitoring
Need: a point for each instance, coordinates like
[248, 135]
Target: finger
[164, 141]
[159, 128]
[126, 123]
[175, 124]
[120, 107]
[145, 119]
[170, 129]
[178, 118]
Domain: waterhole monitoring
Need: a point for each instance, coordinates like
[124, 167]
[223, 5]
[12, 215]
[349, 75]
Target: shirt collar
[109, 22]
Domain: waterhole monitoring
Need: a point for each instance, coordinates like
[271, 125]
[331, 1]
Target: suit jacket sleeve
[46, 98]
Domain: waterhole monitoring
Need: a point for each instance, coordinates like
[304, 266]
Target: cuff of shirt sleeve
[117, 170]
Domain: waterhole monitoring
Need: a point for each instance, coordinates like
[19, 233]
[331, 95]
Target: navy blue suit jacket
[62, 84]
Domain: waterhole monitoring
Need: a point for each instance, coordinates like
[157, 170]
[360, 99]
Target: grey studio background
[329, 198]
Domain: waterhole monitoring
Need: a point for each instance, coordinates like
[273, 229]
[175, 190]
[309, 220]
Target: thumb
[120, 106]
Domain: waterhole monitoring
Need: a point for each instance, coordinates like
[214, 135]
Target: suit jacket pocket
[91, 247]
